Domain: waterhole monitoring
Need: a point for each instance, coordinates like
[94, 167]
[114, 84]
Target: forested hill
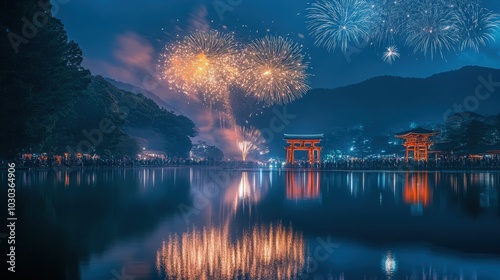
[50, 103]
[139, 90]
[141, 118]
[390, 103]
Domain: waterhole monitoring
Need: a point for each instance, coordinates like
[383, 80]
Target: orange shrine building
[417, 143]
[303, 142]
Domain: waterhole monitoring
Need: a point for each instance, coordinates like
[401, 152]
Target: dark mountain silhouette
[146, 93]
[385, 103]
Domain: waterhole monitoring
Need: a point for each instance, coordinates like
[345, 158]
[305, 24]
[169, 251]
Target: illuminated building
[303, 142]
[417, 142]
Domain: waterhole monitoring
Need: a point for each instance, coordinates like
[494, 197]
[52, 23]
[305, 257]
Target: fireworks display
[389, 21]
[390, 54]
[274, 70]
[428, 27]
[245, 147]
[251, 139]
[202, 63]
[338, 23]
[476, 25]
[432, 28]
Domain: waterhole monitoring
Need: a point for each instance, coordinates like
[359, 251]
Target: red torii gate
[417, 141]
[303, 142]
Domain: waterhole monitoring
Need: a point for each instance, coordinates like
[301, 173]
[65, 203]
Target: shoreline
[256, 169]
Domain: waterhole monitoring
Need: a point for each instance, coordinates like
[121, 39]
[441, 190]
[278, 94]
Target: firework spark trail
[203, 63]
[245, 147]
[390, 54]
[274, 70]
[477, 26]
[432, 28]
[251, 139]
[389, 20]
[338, 23]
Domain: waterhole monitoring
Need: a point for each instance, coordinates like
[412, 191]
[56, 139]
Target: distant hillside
[146, 93]
[383, 103]
[150, 123]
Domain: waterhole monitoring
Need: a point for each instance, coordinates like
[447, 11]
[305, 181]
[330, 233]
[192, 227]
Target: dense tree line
[203, 151]
[50, 103]
[468, 131]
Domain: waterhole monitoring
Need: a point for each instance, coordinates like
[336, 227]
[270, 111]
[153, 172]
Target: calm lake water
[200, 223]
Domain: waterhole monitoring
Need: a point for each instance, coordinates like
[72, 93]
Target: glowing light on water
[264, 252]
[389, 265]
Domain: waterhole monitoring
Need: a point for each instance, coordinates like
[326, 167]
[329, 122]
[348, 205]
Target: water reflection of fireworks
[264, 252]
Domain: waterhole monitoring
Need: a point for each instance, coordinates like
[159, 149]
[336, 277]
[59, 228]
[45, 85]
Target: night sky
[101, 28]
[123, 40]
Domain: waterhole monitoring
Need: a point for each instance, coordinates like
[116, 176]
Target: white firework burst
[389, 20]
[432, 28]
[338, 23]
[390, 54]
[477, 26]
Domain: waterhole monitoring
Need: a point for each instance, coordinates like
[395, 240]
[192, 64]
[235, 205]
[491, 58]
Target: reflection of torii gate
[302, 185]
[303, 142]
[416, 189]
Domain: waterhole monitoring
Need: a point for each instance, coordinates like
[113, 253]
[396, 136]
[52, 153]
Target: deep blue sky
[104, 30]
